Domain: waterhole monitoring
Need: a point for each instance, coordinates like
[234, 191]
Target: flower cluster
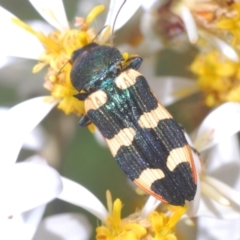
[217, 64]
[156, 225]
[59, 46]
[213, 27]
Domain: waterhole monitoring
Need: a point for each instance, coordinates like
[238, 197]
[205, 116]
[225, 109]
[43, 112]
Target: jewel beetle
[147, 143]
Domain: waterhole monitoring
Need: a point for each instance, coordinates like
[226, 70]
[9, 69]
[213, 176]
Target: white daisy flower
[218, 130]
[55, 49]
[176, 23]
[27, 187]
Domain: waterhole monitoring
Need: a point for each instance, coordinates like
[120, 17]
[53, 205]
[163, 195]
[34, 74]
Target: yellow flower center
[158, 226]
[59, 46]
[164, 225]
[231, 23]
[117, 229]
[218, 78]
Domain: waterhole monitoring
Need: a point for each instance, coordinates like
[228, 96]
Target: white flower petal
[150, 205]
[227, 191]
[128, 10]
[32, 219]
[21, 226]
[220, 229]
[77, 194]
[53, 12]
[224, 47]
[35, 139]
[220, 124]
[3, 111]
[223, 157]
[15, 41]
[4, 61]
[189, 23]
[171, 89]
[17, 123]
[40, 26]
[148, 5]
[210, 208]
[67, 226]
[27, 185]
[214, 194]
[151, 43]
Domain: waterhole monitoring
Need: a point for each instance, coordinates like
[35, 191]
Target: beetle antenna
[64, 65]
[111, 40]
[98, 33]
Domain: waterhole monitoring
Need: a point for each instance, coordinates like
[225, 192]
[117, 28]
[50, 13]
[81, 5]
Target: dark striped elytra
[147, 143]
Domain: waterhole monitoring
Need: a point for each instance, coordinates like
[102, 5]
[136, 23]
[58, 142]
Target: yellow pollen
[94, 13]
[163, 225]
[158, 226]
[91, 16]
[218, 77]
[59, 46]
[52, 78]
[231, 23]
[117, 229]
[38, 67]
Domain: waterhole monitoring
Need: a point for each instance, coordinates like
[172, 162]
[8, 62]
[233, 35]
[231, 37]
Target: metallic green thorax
[91, 71]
